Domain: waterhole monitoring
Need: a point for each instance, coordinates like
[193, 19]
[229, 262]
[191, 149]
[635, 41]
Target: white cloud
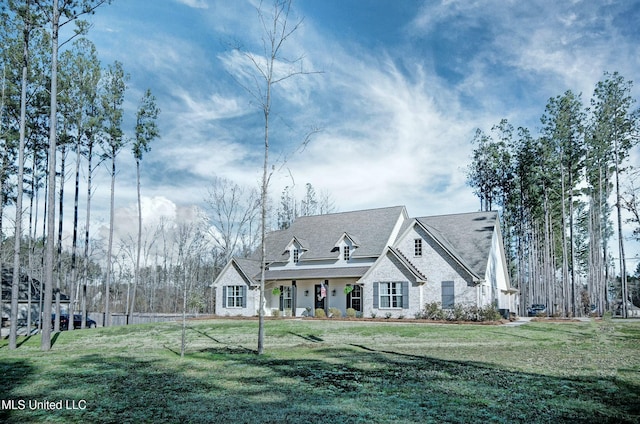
[196, 4]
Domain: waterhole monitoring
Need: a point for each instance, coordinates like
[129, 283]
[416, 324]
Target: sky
[395, 90]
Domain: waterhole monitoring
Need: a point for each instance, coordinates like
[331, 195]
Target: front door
[319, 298]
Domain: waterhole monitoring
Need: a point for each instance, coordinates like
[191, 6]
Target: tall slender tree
[114, 86]
[25, 13]
[81, 68]
[563, 130]
[616, 125]
[60, 13]
[146, 131]
[271, 68]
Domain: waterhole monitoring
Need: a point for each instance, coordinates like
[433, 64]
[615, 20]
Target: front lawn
[328, 371]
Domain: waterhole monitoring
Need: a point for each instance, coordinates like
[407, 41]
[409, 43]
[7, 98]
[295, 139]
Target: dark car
[64, 322]
[537, 309]
[77, 322]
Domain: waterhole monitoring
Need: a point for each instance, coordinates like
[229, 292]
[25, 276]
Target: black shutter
[244, 296]
[224, 296]
[375, 295]
[294, 291]
[405, 295]
[281, 306]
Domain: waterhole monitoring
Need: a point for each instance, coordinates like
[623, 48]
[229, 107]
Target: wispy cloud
[196, 4]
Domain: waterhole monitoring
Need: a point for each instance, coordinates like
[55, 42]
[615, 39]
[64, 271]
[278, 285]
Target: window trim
[236, 294]
[295, 253]
[417, 247]
[356, 294]
[402, 295]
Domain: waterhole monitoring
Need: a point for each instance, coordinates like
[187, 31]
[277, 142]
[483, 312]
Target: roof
[315, 273]
[25, 285]
[467, 236]
[248, 268]
[371, 229]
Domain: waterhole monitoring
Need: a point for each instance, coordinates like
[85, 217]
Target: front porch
[302, 297]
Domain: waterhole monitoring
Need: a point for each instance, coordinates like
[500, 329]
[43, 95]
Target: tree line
[61, 120]
[562, 193]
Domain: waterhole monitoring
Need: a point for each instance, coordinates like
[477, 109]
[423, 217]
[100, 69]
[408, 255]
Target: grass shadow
[308, 337]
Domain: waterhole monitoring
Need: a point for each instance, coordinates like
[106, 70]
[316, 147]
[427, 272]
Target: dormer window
[345, 253]
[296, 255]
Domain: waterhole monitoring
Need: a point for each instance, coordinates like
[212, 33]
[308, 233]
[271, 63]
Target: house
[27, 286]
[378, 262]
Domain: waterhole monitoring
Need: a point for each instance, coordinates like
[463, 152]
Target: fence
[122, 319]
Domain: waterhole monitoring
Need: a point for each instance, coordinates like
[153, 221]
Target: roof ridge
[352, 211]
[414, 268]
[455, 214]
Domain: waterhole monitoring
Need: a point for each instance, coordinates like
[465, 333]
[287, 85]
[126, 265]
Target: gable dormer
[345, 246]
[296, 249]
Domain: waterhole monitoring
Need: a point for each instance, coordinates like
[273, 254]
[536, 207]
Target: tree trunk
[51, 195]
[139, 246]
[110, 245]
[85, 265]
[15, 288]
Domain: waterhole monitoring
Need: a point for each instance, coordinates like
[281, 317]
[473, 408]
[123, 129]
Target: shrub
[335, 313]
[489, 313]
[459, 313]
[351, 313]
[275, 313]
[433, 311]
[373, 314]
[387, 315]
[319, 313]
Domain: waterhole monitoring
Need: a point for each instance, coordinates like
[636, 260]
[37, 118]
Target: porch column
[326, 299]
[294, 294]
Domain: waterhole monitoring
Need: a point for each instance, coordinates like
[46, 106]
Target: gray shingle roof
[250, 268]
[315, 273]
[371, 228]
[467, 236]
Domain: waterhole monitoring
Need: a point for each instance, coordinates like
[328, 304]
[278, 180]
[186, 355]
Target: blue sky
[404, 85]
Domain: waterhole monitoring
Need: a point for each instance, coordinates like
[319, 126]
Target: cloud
[196, 4]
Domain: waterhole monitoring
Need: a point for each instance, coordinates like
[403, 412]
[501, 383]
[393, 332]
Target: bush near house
[434, 312]
[335, 313]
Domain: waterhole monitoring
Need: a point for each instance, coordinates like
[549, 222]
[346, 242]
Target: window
[354, 298]
[391, 295]
[417, 247]
[296, 256]
[286, 298]
[448, 295]
[234, 296]
[346, 253]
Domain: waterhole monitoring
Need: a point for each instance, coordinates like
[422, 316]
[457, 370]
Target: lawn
[328, 371]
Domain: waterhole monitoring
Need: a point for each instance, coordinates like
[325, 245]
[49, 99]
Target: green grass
[331, 371]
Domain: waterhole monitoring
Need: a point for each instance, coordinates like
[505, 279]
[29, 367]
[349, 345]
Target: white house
[392, 263]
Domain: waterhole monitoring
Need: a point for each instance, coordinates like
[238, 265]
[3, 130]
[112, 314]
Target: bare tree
[271, 68]
[233, 214]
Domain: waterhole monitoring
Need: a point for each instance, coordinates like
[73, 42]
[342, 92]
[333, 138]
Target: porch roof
[316, 273]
